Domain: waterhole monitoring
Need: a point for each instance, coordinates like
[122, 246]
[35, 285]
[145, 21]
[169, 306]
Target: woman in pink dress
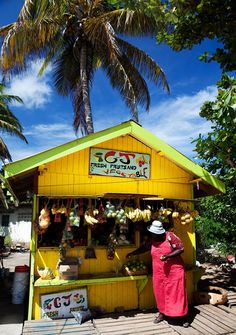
[169, 282]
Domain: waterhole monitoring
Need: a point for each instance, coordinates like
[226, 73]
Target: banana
[93, 220]
[95, 212]
[89, 219]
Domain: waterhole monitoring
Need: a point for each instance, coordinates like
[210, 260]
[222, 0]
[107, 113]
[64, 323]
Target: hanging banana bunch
[89, 219]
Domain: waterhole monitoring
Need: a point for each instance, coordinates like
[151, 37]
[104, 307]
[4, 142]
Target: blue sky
[47, 118]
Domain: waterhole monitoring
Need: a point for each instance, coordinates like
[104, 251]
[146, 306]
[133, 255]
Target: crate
[68, 271]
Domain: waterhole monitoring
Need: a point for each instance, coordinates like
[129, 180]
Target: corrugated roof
[126, 128]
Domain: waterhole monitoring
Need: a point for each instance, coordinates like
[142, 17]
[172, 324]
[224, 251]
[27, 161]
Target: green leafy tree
[189, 22]
[78, 37]
[183, 24]
[217, 150]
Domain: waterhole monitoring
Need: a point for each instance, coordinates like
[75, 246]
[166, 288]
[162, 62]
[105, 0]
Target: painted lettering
[47, 304]
[57, 303]
[109, 157]
[67, 298]
[127, 157]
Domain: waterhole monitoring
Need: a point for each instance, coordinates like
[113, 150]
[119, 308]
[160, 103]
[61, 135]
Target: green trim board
[85, 282]
[32, 260]
[68, 148]
[127, 128]
[140, 284]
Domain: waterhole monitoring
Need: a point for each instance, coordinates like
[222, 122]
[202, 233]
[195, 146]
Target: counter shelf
[101, 278]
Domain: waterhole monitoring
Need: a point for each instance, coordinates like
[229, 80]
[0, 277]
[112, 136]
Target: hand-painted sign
[60, 305]
[119, 163]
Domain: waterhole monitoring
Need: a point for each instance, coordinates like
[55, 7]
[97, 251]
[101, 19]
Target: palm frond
[8, 98]
[12, 130]
[4, 152]
[21, 43]
[144, 63]
[96, 7]
[6, 184]
[120, 80]
[66, 71]
[101, 35]
[38, 9]
[28, 36]
[54, 48]
[10, 124]
[5, 29]
[130, 22]
[139, 84]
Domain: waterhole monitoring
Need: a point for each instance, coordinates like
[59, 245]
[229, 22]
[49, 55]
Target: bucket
[20, 284]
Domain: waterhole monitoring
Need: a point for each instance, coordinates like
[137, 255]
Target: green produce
[135, 265]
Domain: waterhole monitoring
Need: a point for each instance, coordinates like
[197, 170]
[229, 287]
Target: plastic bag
[90, 251]
[82, 316]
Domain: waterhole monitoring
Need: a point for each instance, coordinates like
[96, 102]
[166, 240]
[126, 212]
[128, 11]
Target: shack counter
[94, 197]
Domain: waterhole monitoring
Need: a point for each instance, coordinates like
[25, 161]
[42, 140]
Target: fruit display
[135, 267]
[45, 273]
[186, 218]
[122, 218]
[136, 215]
[110, 211]
[89, 217]
[44, 218]
[74, 219]
[183, 214]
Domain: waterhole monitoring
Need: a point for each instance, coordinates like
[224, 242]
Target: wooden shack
[93, 199]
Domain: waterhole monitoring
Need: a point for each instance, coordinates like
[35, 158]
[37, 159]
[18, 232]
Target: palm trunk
[85, 90]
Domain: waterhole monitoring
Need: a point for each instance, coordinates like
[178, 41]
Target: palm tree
[8, 122]
[79, 36]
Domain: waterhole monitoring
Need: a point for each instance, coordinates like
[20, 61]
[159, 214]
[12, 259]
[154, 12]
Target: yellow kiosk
[92, 201]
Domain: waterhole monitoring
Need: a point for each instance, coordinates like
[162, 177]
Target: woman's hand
[172, 254]
[163, 257]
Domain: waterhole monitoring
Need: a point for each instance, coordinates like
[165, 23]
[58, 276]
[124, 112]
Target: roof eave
[126, 128]
[175, 156]
[68, 148]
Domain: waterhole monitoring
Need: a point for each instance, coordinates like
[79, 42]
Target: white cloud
[50, 132]
[34, 90]
[177, 120]
[41, 137]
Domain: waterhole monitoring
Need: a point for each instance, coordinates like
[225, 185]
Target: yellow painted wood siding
[49, 257]
[111, 295]
[108, 296]
[70, 175]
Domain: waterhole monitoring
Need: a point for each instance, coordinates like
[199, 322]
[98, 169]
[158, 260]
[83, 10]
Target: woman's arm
[172, 254]
[176, 245]
[142, 249]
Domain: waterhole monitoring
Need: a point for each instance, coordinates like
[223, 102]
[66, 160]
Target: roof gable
[126, 128]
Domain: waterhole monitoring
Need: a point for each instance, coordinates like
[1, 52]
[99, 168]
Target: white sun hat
[156, 228]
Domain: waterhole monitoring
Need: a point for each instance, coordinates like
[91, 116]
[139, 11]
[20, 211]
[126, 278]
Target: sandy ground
[11, 316]
[16, 258]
